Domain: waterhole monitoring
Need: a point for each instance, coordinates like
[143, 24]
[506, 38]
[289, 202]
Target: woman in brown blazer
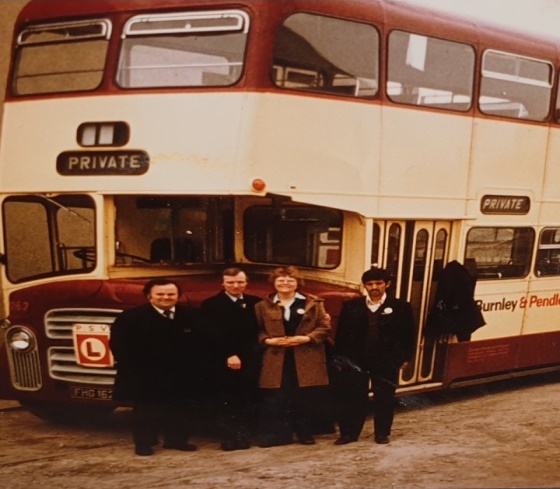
[293, 328]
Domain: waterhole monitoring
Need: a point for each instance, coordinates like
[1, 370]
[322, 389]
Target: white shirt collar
[233, 298]
[373, 306]
[276, 299]
[161, 311]
[287, 310]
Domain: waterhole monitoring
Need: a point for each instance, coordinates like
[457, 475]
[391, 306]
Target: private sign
[505, 204]
[102, 163]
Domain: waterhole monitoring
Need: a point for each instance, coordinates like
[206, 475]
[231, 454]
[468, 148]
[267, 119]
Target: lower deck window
[181, 230]
[295, 235]
[548, 255]
[47, 236]
[500, 252]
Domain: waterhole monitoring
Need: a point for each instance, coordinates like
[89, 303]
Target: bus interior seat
[160, 250]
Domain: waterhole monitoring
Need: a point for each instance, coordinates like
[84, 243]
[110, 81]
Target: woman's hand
[288, 341]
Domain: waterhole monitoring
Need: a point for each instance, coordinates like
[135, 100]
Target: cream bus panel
[187, 153]
[551, 191]
[425, 156]
[508, 155]
[316, 150]
[317, 145]
[501, 306]
[542, 306]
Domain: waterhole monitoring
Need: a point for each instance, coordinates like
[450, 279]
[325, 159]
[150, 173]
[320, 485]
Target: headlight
[20, 339]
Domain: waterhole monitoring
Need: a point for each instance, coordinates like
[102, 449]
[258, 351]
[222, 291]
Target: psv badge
[91, 343]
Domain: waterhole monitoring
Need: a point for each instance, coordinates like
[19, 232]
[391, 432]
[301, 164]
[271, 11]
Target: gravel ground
[497, 436]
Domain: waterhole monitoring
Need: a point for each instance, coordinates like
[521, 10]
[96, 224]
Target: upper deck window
[430, 72]
[322, 54]
[64, 57]
[515, 86]
[202, 49]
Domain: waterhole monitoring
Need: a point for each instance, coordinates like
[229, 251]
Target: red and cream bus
[175, 138]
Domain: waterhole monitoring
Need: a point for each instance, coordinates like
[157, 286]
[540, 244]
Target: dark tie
[240, 303]
[168, 314]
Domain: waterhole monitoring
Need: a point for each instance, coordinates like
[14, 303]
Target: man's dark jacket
[231, 329]
[393, 344]
[156, 357]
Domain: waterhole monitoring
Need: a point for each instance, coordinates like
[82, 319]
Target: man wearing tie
[230, 331]
[155, 352]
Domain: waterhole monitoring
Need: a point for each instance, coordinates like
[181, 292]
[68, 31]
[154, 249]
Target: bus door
[415, 253]
[4, 308]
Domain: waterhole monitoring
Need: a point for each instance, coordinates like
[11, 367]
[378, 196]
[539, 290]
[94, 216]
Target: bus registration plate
[91, 392]
[91, 344]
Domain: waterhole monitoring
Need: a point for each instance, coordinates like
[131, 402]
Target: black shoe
[381, 439]
[143, 451]
[183, 447]
[345, 439]
[306, 440]
[229, 446]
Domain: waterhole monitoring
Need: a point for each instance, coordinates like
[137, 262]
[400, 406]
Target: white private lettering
[134, 162]
[85, 161]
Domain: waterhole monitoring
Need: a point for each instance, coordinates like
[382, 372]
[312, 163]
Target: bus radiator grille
[25, 370]
[63, 365]
[59, 322]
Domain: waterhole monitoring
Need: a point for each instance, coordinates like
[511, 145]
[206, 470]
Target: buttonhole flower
[300, 311]
[387, 310]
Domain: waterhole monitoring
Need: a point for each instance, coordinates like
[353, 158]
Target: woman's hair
[292, 272]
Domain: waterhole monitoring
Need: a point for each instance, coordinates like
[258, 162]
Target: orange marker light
[258, 185]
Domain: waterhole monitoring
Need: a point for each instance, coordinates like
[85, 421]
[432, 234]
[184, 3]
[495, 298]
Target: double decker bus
[175, 138]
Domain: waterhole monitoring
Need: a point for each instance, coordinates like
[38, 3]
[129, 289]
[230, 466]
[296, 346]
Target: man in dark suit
[231, 334]
[375, 338]
[155, 353]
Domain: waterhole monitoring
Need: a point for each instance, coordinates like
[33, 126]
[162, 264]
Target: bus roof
[387, 14]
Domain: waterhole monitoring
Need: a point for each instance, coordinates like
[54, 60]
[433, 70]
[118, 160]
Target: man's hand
[234, 362]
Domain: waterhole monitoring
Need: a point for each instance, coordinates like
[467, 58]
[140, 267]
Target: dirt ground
[502, 435]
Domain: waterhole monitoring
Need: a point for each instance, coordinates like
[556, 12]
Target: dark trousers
[150, 419]
[351, 391]
[287, 410]
[284, 412]
[237, 415]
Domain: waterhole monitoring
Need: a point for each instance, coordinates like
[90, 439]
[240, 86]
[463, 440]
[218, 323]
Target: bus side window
[515, 86]
[430, 72]
[323, 54]
[500, 252]
[548, 254]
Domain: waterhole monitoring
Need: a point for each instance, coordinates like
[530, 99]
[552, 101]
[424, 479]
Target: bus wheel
[57, 413]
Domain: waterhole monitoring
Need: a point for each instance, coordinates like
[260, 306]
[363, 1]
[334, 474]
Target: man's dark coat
[231, 329]
[395, 341]
[156, 357]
